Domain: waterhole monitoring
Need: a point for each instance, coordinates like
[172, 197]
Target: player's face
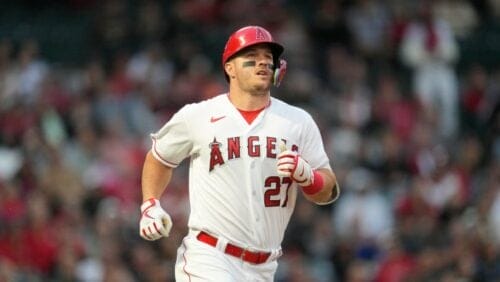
[254, 69]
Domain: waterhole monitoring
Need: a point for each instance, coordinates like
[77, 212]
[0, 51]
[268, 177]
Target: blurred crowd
[412, 133]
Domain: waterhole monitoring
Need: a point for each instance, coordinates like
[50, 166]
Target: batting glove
[290, 164]
[155, 222]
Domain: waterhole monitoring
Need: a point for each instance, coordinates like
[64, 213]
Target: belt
[230, 249]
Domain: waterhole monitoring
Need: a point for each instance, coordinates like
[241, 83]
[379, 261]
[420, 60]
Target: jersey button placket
[252, 166]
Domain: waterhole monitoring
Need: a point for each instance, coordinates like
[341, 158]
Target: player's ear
[229, 68]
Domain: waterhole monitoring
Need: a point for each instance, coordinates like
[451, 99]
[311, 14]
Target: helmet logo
[259, 34]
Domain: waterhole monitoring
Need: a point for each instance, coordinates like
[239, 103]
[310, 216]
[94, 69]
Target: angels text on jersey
[251, 146]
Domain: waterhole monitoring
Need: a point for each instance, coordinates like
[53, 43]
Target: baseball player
[249, 155]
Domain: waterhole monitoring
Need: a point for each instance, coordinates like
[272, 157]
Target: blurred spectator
[397, 263]
[430, 49]
[13, 208]
[353, 104]
[490, 115]
[363, 214]
[401, 12]
[10, 163]
[368, 21]
[7, 270]
[459, 14]
[112, 27]
[358, 271]
[345, 144]
[151, 23]
[329, 28]
[494, 205]
[151, 72]
[392, 109]
[7, 75]
[473, 100]
[294, 268]
[81, 151]
[444, 189]
[61, 184]
[32, 71]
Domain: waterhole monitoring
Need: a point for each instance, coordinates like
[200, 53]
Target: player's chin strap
[279, 73]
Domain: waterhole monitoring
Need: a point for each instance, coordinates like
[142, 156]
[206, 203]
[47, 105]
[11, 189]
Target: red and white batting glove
[155, 222]
[290, 164]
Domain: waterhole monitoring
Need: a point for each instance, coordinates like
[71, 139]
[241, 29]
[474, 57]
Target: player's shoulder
[199, 107]
[282, 108]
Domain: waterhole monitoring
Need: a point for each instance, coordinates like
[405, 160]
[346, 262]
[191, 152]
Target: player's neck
[249, 102]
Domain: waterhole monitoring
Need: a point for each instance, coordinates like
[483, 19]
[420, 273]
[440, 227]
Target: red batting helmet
[249, 36]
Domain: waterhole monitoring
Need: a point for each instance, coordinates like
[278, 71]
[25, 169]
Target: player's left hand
[155, 221]
[291, 164]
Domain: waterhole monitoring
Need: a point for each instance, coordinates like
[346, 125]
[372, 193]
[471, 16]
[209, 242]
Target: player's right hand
[155, 222]
[291, 164]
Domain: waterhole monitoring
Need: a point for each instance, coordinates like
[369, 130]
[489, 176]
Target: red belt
[245, 255]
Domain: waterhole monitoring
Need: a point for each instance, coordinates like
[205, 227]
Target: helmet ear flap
[279, 72]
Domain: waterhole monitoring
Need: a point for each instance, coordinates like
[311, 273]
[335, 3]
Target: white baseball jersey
[234, 187]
